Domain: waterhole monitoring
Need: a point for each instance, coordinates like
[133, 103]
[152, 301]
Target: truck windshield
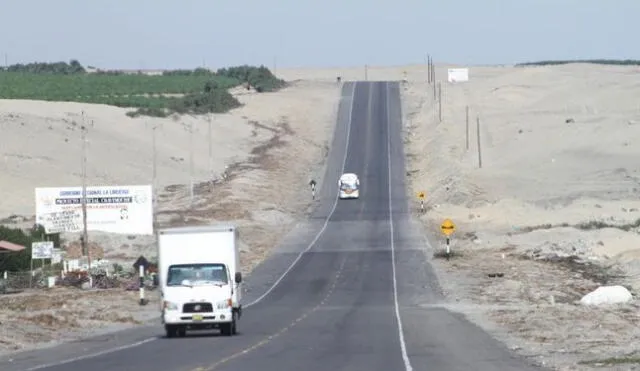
[346, 186]
[197, 273]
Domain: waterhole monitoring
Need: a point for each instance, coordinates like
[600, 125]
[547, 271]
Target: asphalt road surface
[358, 293]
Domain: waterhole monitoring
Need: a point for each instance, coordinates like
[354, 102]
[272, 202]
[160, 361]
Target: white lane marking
[403, 345]
[270, 338]
[326, 222]
[92, 355]
[324, 227]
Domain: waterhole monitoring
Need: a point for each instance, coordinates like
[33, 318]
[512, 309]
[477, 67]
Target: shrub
[196, 72]
[57, 68]
[260, 78]
[149, 111]
[214, 100]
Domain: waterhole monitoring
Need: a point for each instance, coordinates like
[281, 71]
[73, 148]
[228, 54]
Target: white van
[349, 186]
[199, 278]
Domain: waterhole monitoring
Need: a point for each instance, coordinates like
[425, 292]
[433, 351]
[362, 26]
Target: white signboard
[458, 74]
[42, 250]
[63, 221]
[56, 256]
[113, 209]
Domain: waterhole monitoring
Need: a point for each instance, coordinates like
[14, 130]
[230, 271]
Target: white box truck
[199, 278]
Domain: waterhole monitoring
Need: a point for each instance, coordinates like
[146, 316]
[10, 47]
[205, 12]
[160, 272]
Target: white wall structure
[457, 75]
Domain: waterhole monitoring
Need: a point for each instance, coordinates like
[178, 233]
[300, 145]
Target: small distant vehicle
[349, 186]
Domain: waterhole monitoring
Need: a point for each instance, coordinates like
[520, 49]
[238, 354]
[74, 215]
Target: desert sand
[559, 181]
[264, 155]
[557, 184]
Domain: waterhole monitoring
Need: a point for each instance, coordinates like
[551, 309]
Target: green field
[183, 91]
[123, 90]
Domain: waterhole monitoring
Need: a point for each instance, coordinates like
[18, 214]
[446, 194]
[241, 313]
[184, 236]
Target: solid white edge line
[333, 209]
[92, 355]
[313, 242]
[403, 345]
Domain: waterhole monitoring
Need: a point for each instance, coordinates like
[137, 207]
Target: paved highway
[354, 293]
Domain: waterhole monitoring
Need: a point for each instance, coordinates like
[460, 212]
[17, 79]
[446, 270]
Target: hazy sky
[188, 33]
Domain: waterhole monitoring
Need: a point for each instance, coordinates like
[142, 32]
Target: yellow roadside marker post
[447, 227]
[421, 197]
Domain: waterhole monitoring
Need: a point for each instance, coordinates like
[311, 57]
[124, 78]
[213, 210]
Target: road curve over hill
[358, 293]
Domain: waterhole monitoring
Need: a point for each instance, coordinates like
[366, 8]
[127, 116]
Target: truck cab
[199, 279]
[349, 186]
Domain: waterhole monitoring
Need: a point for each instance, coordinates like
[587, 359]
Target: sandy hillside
[270, 149]
[559, 183]
[43, 148]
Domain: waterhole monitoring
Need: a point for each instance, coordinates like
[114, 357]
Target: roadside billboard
[42, 250]
[60, 222]
[113, 209]
[457, 75]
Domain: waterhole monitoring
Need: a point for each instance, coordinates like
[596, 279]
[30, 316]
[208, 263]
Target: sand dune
[45, 148]
[559, 181]
[557, 147]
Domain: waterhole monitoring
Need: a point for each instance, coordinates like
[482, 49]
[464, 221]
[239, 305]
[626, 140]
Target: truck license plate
[196, 317]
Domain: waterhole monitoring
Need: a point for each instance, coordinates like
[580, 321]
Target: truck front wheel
[229, 329]
[234, 325]
[171, 331]
[182, 331]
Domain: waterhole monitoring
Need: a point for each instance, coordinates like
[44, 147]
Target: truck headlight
[224, 304]
[167, 305]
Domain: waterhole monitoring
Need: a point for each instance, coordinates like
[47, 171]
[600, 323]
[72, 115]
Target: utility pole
[433, 71]
[154, 186]
[428, 68]
[155, 160]
[433, 80]
[479, 148]
[85, 235]
[467, 128]
[439, 102]
[191, 162]
[210, 149]
[155, 176]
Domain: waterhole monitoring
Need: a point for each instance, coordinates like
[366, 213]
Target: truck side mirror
[238, 277]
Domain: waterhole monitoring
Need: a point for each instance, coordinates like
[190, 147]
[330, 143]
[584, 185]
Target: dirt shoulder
[550, 216]
[39, 318]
